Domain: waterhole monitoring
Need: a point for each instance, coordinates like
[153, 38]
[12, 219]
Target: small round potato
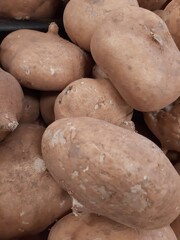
[95, 98]
[112, 171]
[91, 226]
[30, 200]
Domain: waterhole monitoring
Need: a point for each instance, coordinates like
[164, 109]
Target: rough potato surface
[43, 61]
[91, 226]
[142, 60]
[95, 98]
[11, 103]
[30, 200]
[113, 172]
[83, 16]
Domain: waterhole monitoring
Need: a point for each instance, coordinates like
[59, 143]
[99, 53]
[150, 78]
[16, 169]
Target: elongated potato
[47, 101]
[91, 226]
[165, 125]
[151, 4]
[29, 9]
[147, 77]
[171, 16]
[30, 200]
[81, 16]
[113, 172]
[95, 98]
[31, 107]
[43, 61]
[11, 103]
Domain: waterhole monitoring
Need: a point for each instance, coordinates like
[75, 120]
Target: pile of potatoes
[90, 123]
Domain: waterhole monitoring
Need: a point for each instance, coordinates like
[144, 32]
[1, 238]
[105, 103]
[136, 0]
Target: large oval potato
[171, 16]
[90, 226]
[95, 98]
[43, 61]
[11, 103]
[112, 171]
[147, 77]
[29, 9]
[83, 16]
[165, 125]
[30, 200]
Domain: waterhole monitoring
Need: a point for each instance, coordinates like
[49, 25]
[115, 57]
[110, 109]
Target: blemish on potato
[86, 169]
[76, 207]
[96, 106]
[102, 158]
[57, 138]
[39, 165]
[75, 174]
[52, 70]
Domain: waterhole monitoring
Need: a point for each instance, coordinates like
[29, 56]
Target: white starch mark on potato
[39, 165]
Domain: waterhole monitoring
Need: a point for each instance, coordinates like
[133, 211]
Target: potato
[165, 125]
[147, 77]
[112, 171]
[95, 98]
[176, 224]
[160, 13]
[30, 200]
[29, 9]
[47, 101]
[176, 227]
[11, 103]
[90, 226]
[84, 16]
[171, 17]
[43, 61]
[31, 107]
[152, 4]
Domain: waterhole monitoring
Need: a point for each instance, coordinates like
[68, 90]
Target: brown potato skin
[91, 226]
[96, 98]
[11, 103]
[176, 227]
[171, 17]
[102, 165]
[165, 125]
[31, 107]
[84, 16]
[151, 4]
[47, 101]
[29, 9]
[43, 61]
[30, 200]
[147, 83]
